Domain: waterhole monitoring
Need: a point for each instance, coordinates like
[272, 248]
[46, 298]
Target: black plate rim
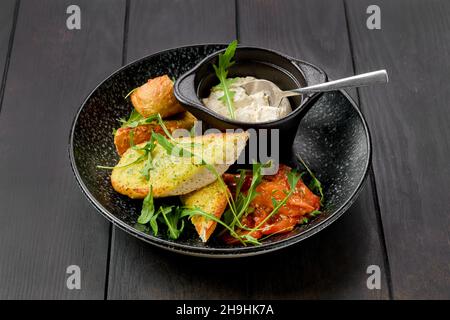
[231, 252]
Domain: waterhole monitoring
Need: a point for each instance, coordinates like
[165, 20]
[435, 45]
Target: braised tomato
[298, 206]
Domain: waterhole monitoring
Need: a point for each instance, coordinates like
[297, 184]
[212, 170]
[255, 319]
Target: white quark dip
[248, 108]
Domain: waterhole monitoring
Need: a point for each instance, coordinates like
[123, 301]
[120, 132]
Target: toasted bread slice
[211, 199]
[173, 175]
[156, 96]
[184, 120]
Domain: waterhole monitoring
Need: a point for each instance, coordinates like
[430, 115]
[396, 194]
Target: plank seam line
[108, 259]
[236, 20]
[373, 184]
[125, 33]
[111, 227]
[8, 54]
[381, 233]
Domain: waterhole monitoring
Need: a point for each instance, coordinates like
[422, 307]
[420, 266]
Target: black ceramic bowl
[287, 73]
[332, 139]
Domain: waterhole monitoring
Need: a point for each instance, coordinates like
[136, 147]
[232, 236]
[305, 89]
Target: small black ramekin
[284, 71]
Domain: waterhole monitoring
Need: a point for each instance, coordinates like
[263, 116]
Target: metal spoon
[276, 95]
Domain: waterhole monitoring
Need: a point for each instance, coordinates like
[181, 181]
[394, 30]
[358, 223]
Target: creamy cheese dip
[248, 108]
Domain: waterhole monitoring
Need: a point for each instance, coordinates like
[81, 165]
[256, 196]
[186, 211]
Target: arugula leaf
[192, 131]
[141, 227]
[293, 178]
[315, 185]
[147, 150]
[168, 218]
[134, 116]
[154, 223]
[241, 205]
[250, 239]
[275, 202]
[190, 212]
[171, 148]
[240, 182]
[172, 217]
[222, 73]
[243, 202]
[315, 213]
[138, 120]
[228, 217]
[148, 208]
[131, 137]
[129, 93]
[148, 165]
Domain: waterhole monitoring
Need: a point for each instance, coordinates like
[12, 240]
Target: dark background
[400, 222]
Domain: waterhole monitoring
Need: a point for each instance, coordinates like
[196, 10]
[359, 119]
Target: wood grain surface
[411, 137]
[46, 224]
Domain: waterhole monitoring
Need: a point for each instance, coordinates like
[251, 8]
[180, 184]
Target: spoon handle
[359, 80]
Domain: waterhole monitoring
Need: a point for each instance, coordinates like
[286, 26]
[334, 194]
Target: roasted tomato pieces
[299, 205]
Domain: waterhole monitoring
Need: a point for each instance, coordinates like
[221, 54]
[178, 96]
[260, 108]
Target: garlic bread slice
[172, 175]
[213, 200]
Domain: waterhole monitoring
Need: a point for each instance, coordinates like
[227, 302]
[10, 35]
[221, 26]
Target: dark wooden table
[400, 222]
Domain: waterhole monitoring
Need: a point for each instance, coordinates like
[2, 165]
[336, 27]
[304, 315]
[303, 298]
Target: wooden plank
[138, 270]
[7, 16]
[411, 137]
[46, 224]
[157, 25]
[333, 263]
